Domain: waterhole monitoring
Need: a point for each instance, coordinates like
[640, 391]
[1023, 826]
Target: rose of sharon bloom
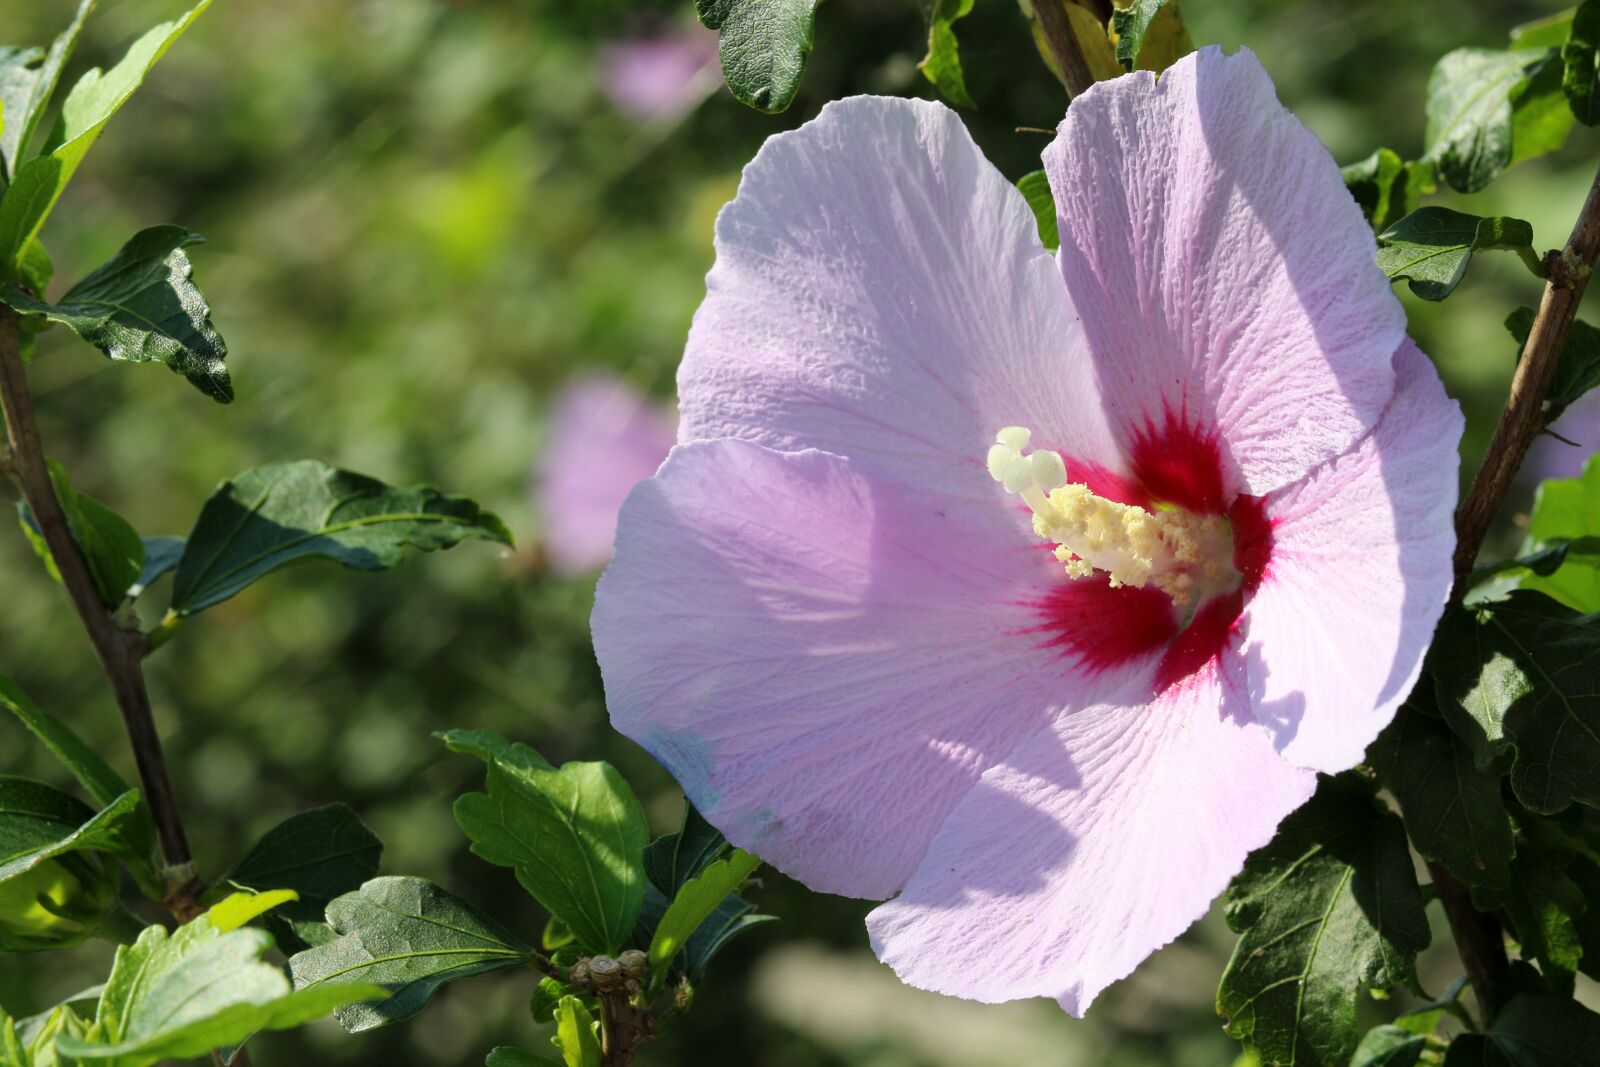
[660, 76]
[604, 439]
[1032, 592]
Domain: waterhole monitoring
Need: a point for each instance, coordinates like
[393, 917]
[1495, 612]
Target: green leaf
[1453, 810]
[200, 988]
[37, 184]
[1523, 673]
[1577, 368]
[110, 546]
[1472, 96]
[1548, 32]
[285, 513]
[321, 855]
[942, 64]
[27, 78]
[1579, 54]
[38, 823]
[695, 902]
[92, 772]
[1329, 907]
[1386, 187]
[1544, 905]
[142, 306]
[1389, 1046]
[546, 995]
[506, 1056]
[1150, 35]
[1565, 523]
[161, 554]
[575, 836]
[575, 1034]
[764, 45]
[1035, 189]
[1541, 120]
[40, 1032]
[410, 937]
[731, 918]
[1531, 1031]
[1431, 247]
[49, 896]
[673, 859]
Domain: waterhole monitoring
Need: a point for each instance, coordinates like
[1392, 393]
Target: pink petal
[1359, 576]
[603, 439]
[880, 292]
[1102, 837]
[824, 657]
[1224, 276]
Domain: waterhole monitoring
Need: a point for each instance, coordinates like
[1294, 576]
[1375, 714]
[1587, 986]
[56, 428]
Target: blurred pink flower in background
[1052, 714]
[659, 76]
[1550, 458]
[603, 438]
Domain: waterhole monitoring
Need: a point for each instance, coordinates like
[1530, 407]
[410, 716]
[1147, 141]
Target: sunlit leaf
[285, 513]
[575, 835]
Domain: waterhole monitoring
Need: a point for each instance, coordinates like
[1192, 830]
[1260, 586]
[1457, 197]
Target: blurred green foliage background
[423, 216]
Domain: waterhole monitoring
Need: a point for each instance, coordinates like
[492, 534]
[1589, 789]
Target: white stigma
[1176, 551]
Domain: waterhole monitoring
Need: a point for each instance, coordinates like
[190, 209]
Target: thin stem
[118, 650]
[1567, 273]
[1478, 936]
[1063, 45]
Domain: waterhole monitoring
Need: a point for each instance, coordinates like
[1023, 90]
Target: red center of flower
[1101, 626]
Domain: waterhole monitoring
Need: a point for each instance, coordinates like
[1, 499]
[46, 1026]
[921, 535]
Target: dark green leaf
[1544, 906]
[180, 995]
[1578, 57]
[764, 45]
[673, 859]
[1453, 810]
[111, 547]
[1389, 1046]
[1425, 1019]
[942, 64]
[161, 554]
[38, 183]
[92, 772]
[1150, 35]
[1471, 97]
[695, 901]
[1524, 673]
[142, 306]
[410, 937]
[731, 918]
[1577, 368]
[1386, 187]
[285, 513]
[1532, 1031]
[575, 836]
[38, 823]
[1329, 907]
[1431, 247]
[1035, 187]
[546, 995]
[321, 854]
[27, 78]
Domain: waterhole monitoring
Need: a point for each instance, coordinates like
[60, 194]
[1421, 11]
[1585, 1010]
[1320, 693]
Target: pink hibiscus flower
[661, 76]
[1049, 687]
[603, 439]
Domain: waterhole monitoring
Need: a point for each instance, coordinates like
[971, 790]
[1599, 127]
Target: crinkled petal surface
[604, 439]
[825, 658]
[1359, 576]
[1101, 837]
[880, 292]
[1224, 276]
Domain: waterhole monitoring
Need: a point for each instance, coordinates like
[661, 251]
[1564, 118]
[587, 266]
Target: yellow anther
[1134, 547]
